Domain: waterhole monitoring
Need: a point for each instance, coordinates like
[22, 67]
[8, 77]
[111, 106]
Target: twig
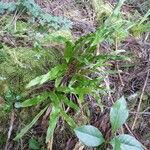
[10, 129]
[50, 144]
[140, 113]
[140, 102]
[120, 78]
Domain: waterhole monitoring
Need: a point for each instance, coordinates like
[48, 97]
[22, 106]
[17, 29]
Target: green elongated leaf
[52, 122]
[57, 38]
[68, 102]
[81, 91]
[58, 81]
[32, 101]
[54, 73]
[116, 144]
[145, 17]
[34, 144]
[69, 51]
[27, 127]
[54, 98]
[51, 75]
[68, 119]
[89, 135]
[118, 114]
[118, 7]
[126, 142]
[35, 81]
[100, 35]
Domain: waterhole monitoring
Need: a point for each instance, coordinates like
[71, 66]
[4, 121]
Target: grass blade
[26, 128]
[52, 122]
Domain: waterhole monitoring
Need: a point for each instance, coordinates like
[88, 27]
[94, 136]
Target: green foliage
[74, 76]
[54, 73]
[52, 122]
[25, 130]
[22, 64]
[79, 72]
[44, 18]
[32, 101]
[34, 144]
[124, 142]
[30, 7]
[103, 10]
[89, 135]
[141, 25]
[118, 114]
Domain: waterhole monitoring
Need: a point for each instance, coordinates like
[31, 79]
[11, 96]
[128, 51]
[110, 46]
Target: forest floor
[132, 81]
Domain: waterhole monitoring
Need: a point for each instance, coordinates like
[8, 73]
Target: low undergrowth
[59, 79]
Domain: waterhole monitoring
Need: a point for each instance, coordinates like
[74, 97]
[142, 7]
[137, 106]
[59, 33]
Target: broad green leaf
[126, 142]
[52, 122]
[27, 127]
[89, 135]
[68, 119]
[118, 114]
[32, 101]
[51, 75]
[58, 81]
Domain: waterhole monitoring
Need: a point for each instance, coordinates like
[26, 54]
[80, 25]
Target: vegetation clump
[74, 86]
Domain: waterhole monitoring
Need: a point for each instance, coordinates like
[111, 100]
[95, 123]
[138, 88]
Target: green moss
[20, 65]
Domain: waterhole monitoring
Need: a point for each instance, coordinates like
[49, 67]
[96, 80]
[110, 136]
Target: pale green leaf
[34, 144]
[118, 7]
[126, 142]
[116, 144]
[69, 51]
[34, 82]
[51, 75]
[29, 126]
[68, 119]
[68, 102]
[54, 98]
[118, 113]
[52, 122]
[32, 101]
[89, 135]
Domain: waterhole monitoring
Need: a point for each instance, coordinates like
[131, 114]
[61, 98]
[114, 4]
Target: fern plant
[74, 76]
[80, 73]
[33, 9]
